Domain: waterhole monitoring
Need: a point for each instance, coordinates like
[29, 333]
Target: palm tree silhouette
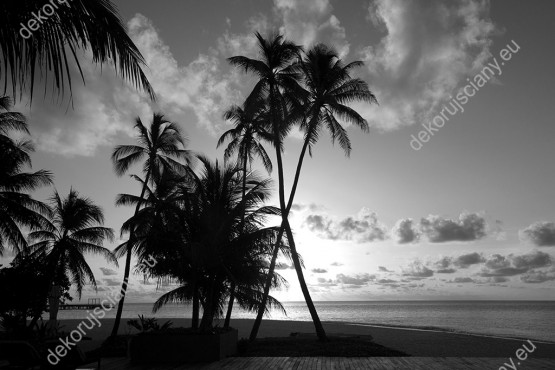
[162, 148]
[17, 208]
[279, 84]
[327, 89]
[330, 88]
[245, 139]
[92, 25]
[76, 229]
[221, 238]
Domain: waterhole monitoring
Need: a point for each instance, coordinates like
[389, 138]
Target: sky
[449, 195]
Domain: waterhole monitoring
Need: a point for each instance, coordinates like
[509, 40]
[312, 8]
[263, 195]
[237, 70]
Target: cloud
[541, 234]
[417, 270]
[336, 264]
[326, 282]
[105, 108]
[511, 265]
[108, 272]
[383, 269]
[446, 271]
[497, 261]
[319, 271]
[111, 282]
[362, 228]
[443, 266]
[199, 87]
[307, 22]
[498, 279]
[386, 281]
[312, 207]
[405, 232]
[505, 271]
[462, 280]
[446, 265]
[469, 227]
[429, 48]
[532, 260]
[358, 279]
[538, 277]
[467, 260]
[231, 44]
[284, 266]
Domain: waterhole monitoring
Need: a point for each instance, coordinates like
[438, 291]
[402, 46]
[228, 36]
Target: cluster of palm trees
[206, 227]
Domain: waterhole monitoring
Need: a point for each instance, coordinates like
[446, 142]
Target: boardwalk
[356, 363]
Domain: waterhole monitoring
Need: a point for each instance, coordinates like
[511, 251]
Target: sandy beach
[414, 342]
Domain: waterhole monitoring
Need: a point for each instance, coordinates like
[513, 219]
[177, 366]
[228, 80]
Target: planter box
[182, 347]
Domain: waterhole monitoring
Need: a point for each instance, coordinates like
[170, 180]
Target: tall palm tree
[17, 208]
[245, 139]
[77, 229]
[279, 85]
[330, 89]
[89, 25]
[160, 147]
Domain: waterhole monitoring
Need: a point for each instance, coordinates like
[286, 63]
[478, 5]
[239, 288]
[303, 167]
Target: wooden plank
[340, 363]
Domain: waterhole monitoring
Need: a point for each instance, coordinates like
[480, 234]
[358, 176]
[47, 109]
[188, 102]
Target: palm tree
[161, 147]
[330, 89]
[279, 85]
[17, 208]
[245, 139]
[92, 25]
[76, 229]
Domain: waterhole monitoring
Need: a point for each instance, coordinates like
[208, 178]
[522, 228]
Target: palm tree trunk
[298, 268]
[209, 306]
[320, 332]
[230, 305]
[196, 310]
[128, 262]
[267, 286]
[285, 214]
[233, 285]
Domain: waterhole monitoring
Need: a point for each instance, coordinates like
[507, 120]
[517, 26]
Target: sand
[413, 342]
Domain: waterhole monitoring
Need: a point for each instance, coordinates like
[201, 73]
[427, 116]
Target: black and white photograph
[277, 184]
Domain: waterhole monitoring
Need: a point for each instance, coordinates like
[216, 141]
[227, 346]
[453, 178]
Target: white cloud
[469, 227]
[405, 231]
[364, 227]
[307, 22]
[106, 106]
[430, 47]
[541, 234]
[200, 86]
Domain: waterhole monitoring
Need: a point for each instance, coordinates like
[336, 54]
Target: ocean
[515, 319]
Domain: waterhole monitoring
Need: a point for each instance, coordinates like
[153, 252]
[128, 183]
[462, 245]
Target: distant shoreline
[434, 329]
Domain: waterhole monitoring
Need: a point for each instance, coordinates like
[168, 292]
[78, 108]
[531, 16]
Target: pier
[90, 305]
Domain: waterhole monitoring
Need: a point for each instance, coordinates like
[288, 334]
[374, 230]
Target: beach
[415, 342]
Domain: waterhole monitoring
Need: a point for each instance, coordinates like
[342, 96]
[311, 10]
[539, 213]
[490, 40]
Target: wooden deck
[355, 363]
